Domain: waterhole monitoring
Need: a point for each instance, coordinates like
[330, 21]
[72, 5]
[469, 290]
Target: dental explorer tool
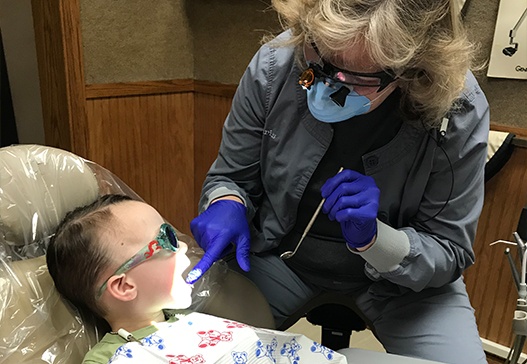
[289, 254]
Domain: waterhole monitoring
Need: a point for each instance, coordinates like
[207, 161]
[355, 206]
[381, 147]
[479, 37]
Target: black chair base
[335, 314]
[337, 321]
[335, 339]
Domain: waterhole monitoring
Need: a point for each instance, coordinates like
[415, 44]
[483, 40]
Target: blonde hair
[422, 42]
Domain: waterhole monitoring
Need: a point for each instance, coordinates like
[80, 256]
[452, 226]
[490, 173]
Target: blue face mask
[323, 108]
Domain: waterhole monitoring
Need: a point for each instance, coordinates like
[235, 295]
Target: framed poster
[508, 57]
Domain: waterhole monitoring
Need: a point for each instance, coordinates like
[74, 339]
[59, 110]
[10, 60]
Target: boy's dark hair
[75, 261]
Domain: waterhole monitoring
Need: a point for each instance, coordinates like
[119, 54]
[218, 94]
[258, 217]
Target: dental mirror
[289, 254]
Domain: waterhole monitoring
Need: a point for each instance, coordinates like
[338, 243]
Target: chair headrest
[499, 151]
[38, 186]
[36, 323]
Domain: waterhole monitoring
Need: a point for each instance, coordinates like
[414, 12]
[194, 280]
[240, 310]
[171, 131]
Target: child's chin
[180, 303]
[177, 307]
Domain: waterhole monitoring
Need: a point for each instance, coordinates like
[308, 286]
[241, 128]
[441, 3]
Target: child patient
[118, 259]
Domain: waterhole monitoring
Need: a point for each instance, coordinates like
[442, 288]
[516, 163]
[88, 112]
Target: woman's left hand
[353, 200]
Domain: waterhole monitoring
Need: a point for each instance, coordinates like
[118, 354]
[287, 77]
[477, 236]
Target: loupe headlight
[308, 76]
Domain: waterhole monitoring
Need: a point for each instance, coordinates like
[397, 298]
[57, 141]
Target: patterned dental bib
[199, 339]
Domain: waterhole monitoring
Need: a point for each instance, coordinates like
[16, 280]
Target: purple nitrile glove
[353, 200]
[222, 224]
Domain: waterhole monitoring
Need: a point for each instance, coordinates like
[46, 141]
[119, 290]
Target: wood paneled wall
[157, 136]
[61, 72]
[210, 113]
[160, 138]
[489, 282]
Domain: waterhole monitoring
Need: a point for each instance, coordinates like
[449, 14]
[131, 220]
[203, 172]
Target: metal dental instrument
[520, 243]
[519, 322]
[514, 270]
[289, 254]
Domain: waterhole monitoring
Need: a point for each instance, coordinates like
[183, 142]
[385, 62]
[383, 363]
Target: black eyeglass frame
[328, 70]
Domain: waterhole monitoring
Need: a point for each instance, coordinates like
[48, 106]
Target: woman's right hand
[223, 223]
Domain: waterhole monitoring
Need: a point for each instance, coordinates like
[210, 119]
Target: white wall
[16, 22]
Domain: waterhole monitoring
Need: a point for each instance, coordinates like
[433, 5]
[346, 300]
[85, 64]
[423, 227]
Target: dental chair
[38, 186]
[337, 314]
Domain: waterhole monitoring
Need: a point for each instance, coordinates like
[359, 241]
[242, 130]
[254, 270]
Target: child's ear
[122, 287]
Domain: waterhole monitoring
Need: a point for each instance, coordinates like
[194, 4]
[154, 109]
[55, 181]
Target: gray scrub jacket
[271, 146]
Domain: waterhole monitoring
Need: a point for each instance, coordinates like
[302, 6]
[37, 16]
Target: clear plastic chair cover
[38, 186]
